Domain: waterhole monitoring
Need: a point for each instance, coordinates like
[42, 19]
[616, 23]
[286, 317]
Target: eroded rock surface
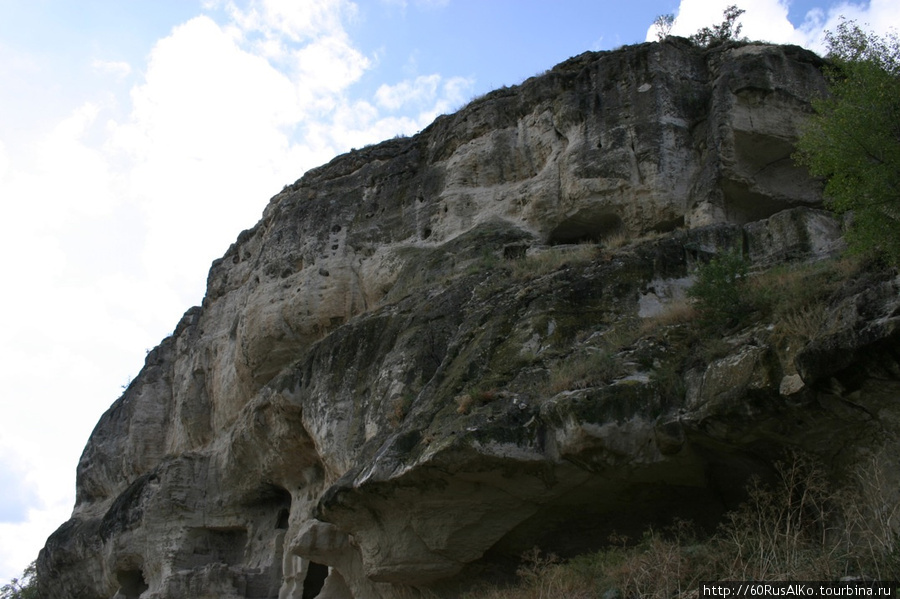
[406, 372]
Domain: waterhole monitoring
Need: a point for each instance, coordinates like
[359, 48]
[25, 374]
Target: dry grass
[616, 240]
[788, 289]
[464, 403]
[678, 311]
[784, 532]
[541, 577]
[797, 298]
[873, 517]
[400, 407]
[799, 528]
[552, 259]
[594, 367]
[804, 323]
[475, 397]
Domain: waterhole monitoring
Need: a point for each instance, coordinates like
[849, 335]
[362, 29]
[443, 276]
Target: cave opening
[315, 580]
[274, 499]
[589, 225]
[602, 514]
[131, 583]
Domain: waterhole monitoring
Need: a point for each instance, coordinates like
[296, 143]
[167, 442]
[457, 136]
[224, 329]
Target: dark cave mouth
[586, 226]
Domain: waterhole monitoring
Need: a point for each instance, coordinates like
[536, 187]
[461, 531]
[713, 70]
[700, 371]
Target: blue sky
[138, 138]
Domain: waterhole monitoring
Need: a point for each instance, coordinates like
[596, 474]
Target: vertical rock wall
[302, 433]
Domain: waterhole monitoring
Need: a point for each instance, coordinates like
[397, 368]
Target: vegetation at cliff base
[22, 588]
[853, 139]
[797, 526]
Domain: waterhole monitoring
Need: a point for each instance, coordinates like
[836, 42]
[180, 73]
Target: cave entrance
[284, 517]
[131, 583]
[315, 580]
[589, 225]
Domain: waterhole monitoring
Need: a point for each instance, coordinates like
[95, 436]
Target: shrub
[663, 24]
[726, 31]
[719, 291]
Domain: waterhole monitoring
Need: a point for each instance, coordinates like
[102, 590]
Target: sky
[138, 138]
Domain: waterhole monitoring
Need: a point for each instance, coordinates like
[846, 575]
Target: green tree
[664, 24]
[726, 31]
[719, 290]
[853, 139]
[22, 588]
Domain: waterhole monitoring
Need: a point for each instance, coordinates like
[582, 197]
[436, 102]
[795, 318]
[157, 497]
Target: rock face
[407, 371]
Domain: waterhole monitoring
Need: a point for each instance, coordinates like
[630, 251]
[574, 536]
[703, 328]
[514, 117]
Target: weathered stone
[797, 234]
[790, 384]
[408, 369]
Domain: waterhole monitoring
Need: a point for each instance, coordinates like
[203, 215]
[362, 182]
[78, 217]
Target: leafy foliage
[853, 139]
[726, 31]
[719, 290]
[22, 588]
[663, 24]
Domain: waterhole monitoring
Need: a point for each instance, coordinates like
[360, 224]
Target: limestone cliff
[372, 400]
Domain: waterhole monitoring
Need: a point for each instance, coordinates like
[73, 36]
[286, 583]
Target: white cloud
[427, 4]
[429, 95]
[112, 67]
[17, 494]
[75, 170]
[394, 97]
[64, 343]
[296, 21]
[275, 27]
[4, 161]
[209, 142]
[767, 20]
[456, 90]
[880, 16]
[328, 66]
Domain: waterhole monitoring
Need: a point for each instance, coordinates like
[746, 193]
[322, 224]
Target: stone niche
[204, 546]
[593, 224]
